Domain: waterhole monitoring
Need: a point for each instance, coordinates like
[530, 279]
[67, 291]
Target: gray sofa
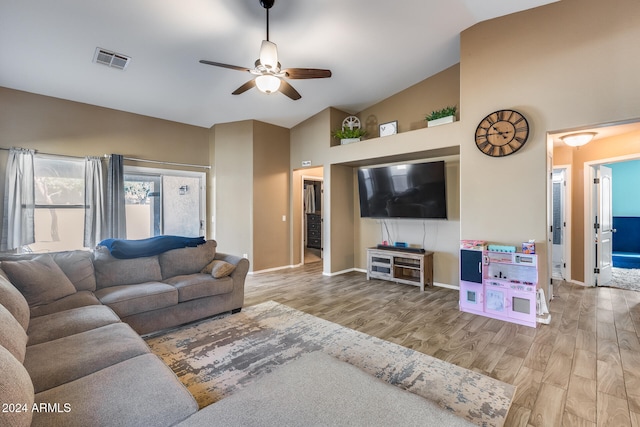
[70, 349]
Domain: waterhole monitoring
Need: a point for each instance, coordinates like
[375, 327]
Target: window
[59, 208]
[159, 201]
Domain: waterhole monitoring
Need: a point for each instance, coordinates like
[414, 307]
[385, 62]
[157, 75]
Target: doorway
[614, 259]
[560, 231]
[312, 219]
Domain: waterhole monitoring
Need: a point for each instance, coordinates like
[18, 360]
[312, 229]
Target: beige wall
[565, 65]
[56, 126]
[271, 235]
[411, 105]
[252, 192]
[620, 146]
[234, 187]
[64, 127]
[340, 238]
[311, 140]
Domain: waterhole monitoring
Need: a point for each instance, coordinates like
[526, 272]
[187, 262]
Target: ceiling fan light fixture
[267, 83]
[269, 55]
[578, 139]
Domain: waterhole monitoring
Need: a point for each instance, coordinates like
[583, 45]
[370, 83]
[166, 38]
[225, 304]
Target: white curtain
[94, 206]
[19, 200]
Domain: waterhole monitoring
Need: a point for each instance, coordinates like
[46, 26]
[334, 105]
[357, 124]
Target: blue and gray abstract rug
[216, 357]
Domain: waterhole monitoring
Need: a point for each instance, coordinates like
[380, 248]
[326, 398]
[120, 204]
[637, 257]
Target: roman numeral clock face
[502, 133]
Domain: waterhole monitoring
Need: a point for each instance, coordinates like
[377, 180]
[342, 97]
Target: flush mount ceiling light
[270, 77]
[578, 139]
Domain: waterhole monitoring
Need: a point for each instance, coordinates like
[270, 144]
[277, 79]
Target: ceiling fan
[269, 75]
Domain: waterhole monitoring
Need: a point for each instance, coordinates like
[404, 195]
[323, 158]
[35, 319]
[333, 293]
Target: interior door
[559, 224]
[604, 239]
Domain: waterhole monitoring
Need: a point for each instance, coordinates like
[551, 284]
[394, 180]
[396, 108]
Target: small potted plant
[440, 117]
[350, 131]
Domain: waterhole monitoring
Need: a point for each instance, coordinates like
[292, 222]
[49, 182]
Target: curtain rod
[132, 159]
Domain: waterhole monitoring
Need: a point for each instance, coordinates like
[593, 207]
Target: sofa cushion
[182, 261]
[141, 391]
[12, 335]
[127, 300]
[14, 301]
[40, 279]
[57, 362]
[79, 299]
[78, 266]
[112, 271]
[15, 388]
[69, 322]
[193, 286]
[218, 268]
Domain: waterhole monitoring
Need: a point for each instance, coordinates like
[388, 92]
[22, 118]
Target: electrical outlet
[284, 218]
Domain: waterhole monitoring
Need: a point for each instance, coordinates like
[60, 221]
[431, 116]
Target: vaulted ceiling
[374, 49]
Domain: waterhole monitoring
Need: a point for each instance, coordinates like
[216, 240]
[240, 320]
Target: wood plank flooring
[581, 370]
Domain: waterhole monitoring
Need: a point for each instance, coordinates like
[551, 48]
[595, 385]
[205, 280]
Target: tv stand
[408, 267]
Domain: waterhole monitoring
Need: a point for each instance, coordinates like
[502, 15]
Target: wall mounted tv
[414, 190]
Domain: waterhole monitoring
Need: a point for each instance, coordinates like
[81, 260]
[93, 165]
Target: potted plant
[440, 117]
[347, 134]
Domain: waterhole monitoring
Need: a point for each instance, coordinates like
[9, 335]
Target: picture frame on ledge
[389, 128]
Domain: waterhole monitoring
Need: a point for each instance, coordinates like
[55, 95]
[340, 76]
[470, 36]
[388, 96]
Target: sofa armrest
[238, 275]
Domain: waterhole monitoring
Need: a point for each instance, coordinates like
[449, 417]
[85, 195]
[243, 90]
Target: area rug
[215, 358]
[625, 278]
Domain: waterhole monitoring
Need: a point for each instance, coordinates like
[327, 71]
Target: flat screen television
[403, 191]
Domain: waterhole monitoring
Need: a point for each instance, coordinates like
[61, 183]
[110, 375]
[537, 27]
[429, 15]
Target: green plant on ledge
[348, 133]
[445, 112]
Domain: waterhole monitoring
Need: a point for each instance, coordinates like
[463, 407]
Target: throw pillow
[218, 268]
[40, 279]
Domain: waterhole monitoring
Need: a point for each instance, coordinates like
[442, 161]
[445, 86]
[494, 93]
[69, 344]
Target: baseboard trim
[267, 270]
[337, 273]
[445, 285]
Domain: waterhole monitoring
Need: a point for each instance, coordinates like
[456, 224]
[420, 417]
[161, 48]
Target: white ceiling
[374, 48]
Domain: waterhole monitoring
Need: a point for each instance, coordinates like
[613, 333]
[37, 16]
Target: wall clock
[501, 133]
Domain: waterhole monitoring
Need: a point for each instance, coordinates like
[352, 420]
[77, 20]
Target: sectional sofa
[70, 347]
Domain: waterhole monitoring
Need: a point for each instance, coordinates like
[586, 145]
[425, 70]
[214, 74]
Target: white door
[559, 224]
[604, 242]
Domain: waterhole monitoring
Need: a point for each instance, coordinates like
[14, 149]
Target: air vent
[111, 59]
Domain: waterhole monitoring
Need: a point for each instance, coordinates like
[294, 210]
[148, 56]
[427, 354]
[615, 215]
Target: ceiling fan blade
[307, 73]
[245, 87]
[288, 90]
[219, 64]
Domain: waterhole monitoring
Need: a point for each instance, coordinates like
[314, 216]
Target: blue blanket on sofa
[123, 249]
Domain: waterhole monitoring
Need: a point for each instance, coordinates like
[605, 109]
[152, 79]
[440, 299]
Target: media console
[400, 265]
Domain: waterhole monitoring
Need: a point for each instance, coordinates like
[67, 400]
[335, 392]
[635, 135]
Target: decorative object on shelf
[350, 131]
[502, 133]
[390, 128]
[440, 117]
[578, 139]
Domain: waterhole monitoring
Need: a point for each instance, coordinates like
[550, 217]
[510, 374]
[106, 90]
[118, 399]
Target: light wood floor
[581, 370]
